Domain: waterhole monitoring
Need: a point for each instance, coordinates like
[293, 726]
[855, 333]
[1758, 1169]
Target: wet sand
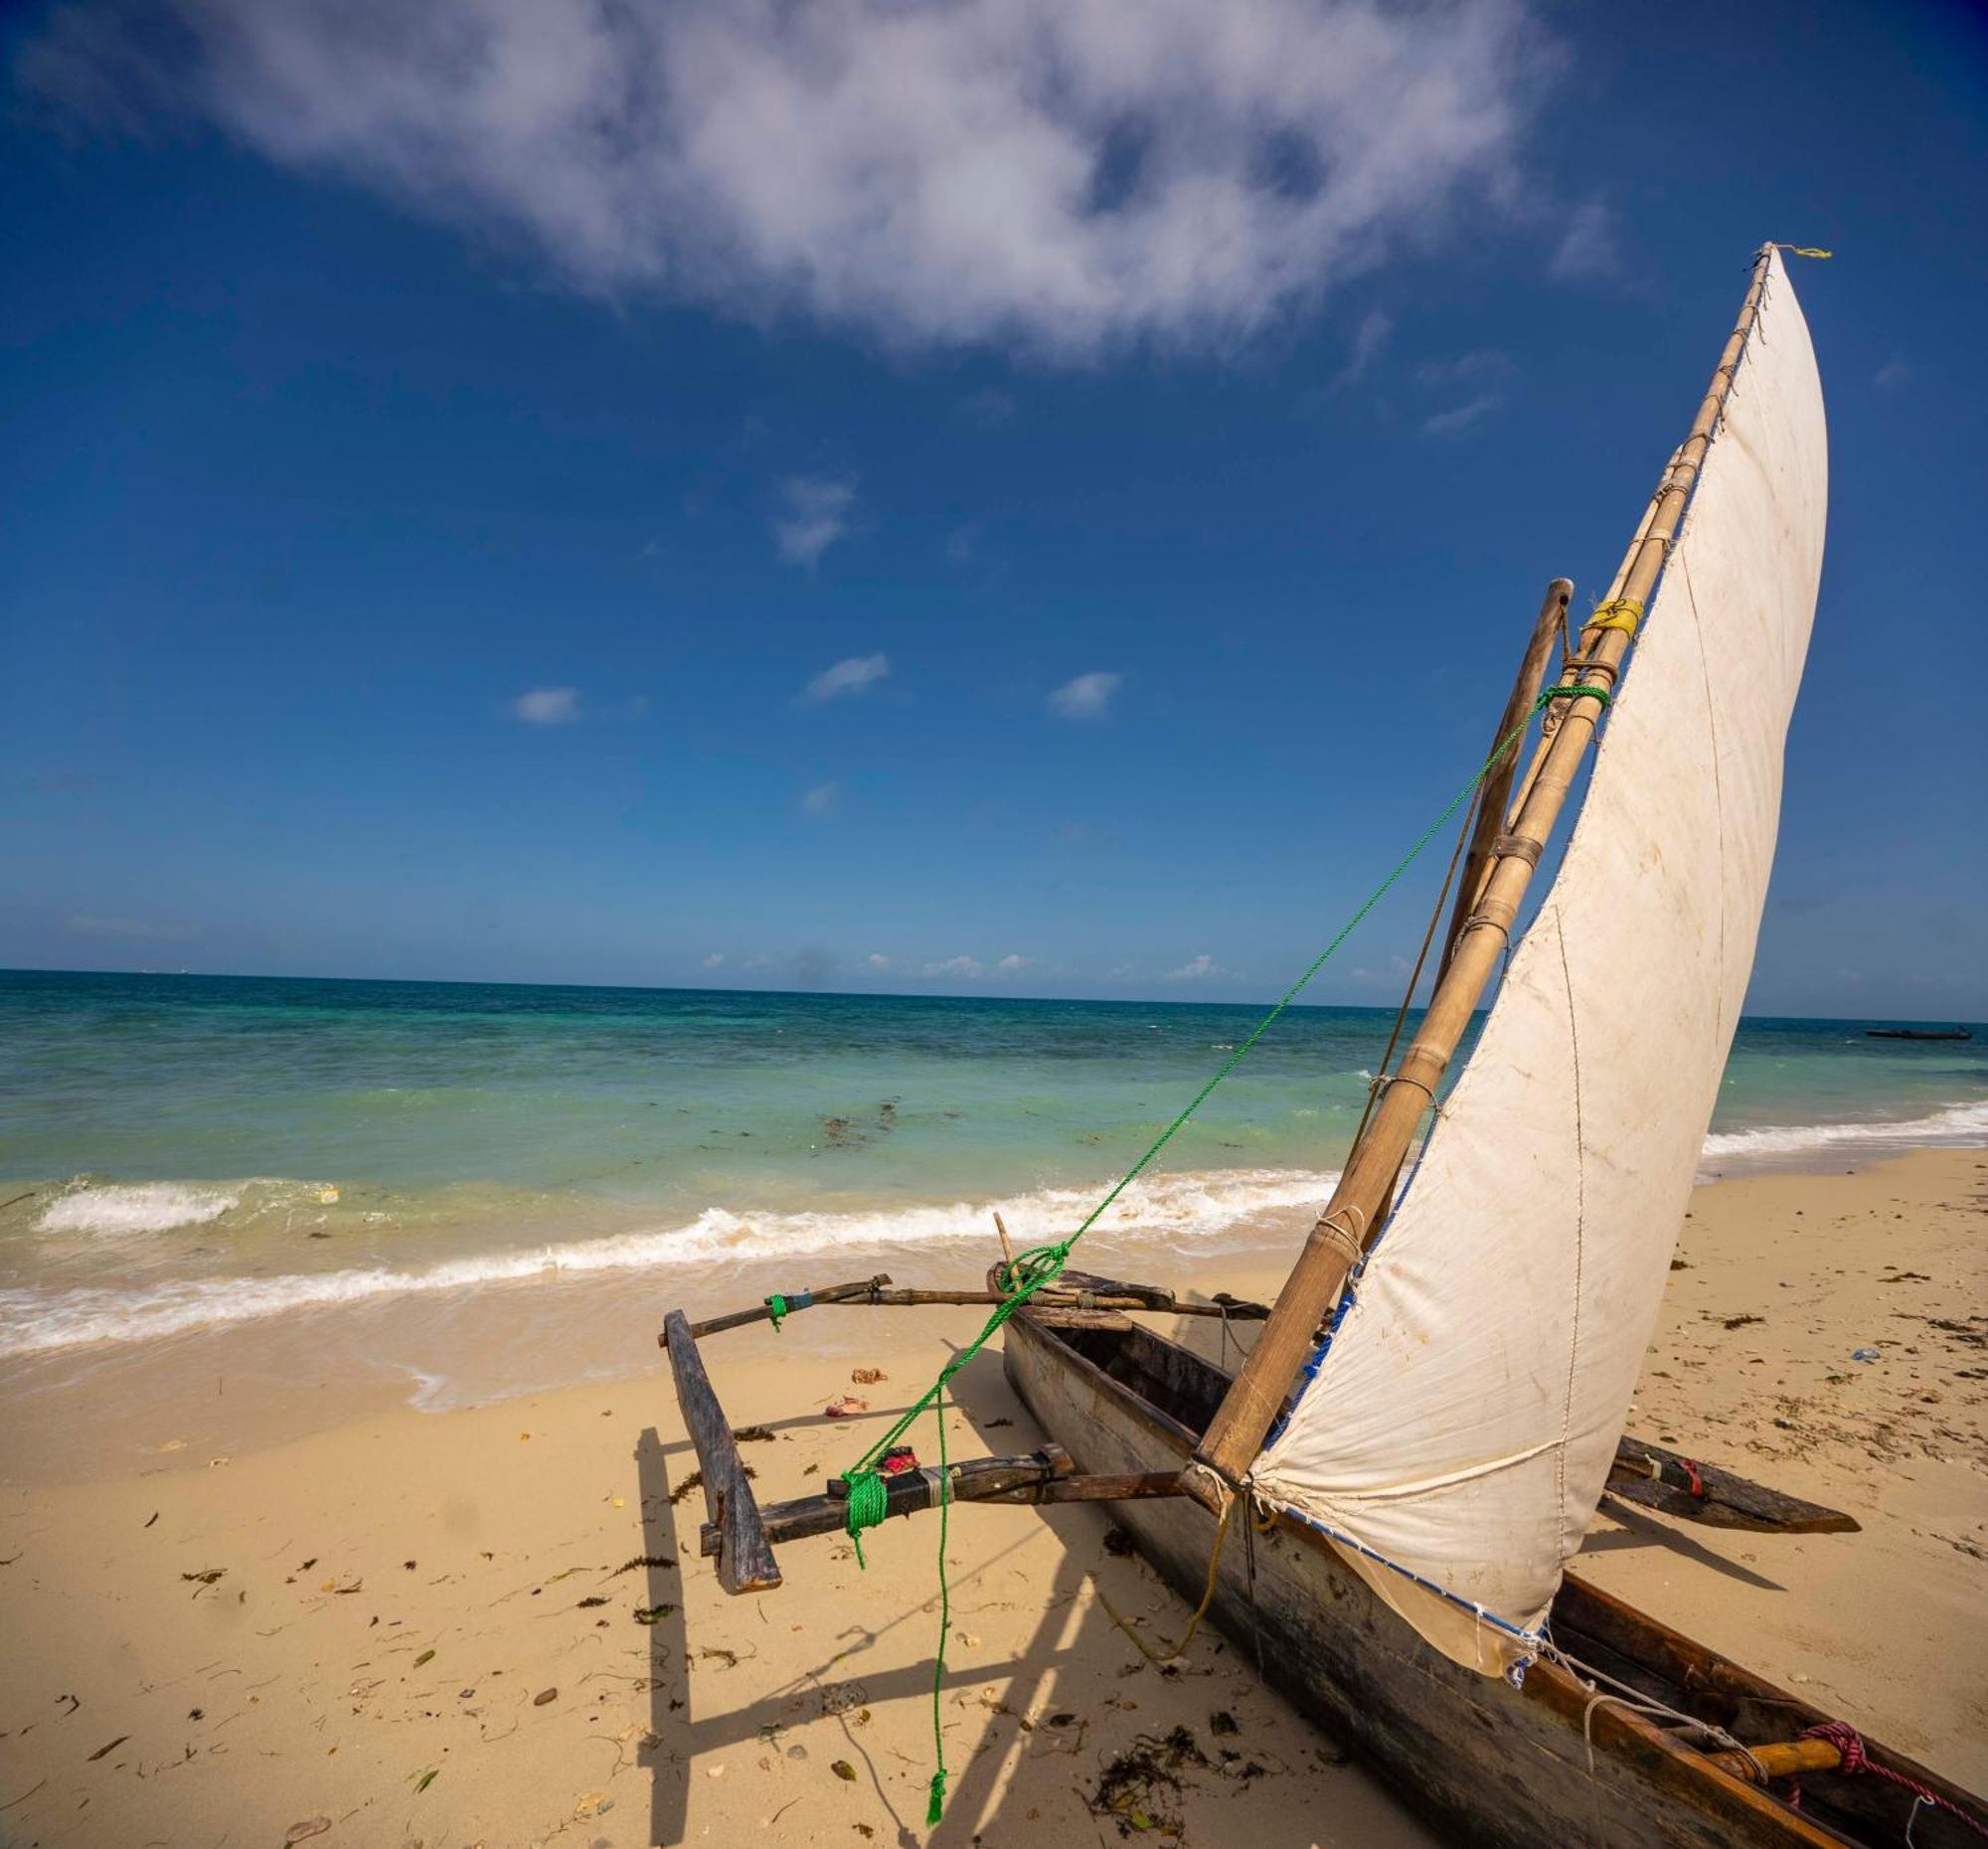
[404, 1640]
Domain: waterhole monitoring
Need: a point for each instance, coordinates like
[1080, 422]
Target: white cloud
[814, 514]
[877, 960]
[1087, 697]
[1588, 249]
[1370, 341]
[966, 967]
[716, 960]
[1464, 416]
[854, 676]
[823, 800]
[1893, 372]
[1011, 963]
[1065, 173]
[1196, 969]
[548, 706]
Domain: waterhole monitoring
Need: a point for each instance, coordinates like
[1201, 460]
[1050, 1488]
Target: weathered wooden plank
[1673, 1484]
[746, 1561]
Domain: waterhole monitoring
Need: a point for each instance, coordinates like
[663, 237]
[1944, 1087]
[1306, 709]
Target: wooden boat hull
[1537, 1767]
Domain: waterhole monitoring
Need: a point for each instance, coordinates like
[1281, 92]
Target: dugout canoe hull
[1541, 1766]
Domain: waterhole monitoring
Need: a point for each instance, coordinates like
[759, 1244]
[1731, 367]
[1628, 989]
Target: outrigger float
[1418, 1440]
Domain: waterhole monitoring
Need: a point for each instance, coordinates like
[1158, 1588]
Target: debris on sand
[866, 1376]
[1141, 1788]
[644, 1559]
[845, 1406]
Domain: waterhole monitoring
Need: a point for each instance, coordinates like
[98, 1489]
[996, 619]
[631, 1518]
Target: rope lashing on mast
[1029, 1272]
[1624, 613]
[777, 1310]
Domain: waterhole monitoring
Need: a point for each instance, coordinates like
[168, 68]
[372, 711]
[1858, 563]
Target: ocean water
[182, 1154]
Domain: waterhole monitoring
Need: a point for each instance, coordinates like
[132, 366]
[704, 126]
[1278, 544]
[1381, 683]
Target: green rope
[1030, 1271]
[867, 1506]
[776, 1307]
[935, 1804]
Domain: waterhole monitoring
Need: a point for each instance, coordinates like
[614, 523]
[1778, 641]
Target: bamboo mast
[1363, 1196]
[1495, 792]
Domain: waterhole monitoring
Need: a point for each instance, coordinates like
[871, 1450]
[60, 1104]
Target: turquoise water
[179, 1151]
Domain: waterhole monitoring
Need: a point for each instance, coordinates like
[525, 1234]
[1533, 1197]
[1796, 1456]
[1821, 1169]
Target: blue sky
[683, 502]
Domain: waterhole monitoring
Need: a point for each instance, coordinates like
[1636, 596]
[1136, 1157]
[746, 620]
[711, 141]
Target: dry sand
[422, 1632]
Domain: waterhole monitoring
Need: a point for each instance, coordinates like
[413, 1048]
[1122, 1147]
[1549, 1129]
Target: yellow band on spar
[1624, 613]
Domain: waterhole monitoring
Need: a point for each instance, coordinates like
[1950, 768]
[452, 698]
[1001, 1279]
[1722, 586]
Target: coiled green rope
[1030, 1271]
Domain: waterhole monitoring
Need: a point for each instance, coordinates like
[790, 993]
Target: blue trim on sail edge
[1534, 1641]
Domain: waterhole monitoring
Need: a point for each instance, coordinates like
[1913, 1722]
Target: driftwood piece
[974, 1479]
[1672, 1484]
[746, 1561]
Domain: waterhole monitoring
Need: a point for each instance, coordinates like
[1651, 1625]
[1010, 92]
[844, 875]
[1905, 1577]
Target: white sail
[1458, 1428]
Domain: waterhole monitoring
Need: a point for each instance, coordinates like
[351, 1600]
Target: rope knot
[1847, 1740]
[777, 1309]
[867, 1504]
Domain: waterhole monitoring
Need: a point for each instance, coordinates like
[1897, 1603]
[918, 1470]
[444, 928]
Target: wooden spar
[863, 1292]
[974, 1480]
[1779, 1758]
[1496, 791]
[1084, 1293]
[744, 1557]
[1516, 799]
[1362, 1199]
[1029, 1480]
[1671, 1484]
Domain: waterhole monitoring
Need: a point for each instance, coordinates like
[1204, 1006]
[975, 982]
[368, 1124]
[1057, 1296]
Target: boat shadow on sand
[1064, 1732]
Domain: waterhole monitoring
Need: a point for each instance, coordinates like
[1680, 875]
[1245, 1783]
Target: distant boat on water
[1918, 1033]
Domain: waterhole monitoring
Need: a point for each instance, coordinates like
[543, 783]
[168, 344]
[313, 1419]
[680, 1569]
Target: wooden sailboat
[1408, 1456]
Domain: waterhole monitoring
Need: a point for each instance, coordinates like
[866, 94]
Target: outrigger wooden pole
[1364, 1194]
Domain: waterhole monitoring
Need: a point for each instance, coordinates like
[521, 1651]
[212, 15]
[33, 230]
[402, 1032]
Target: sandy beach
[490, 1627]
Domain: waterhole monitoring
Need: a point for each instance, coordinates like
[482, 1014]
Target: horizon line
[677, 989]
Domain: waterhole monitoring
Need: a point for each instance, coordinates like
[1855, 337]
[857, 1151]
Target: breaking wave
[138, 1207]
[1185, 1208]
[1951, 1126]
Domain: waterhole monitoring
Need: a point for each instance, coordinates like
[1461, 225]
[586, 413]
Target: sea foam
[138, 1207]
[1953, 1125]
[1184, 1208]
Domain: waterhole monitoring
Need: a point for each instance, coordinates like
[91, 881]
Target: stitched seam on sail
[1717, 791]
[1579, 1229]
